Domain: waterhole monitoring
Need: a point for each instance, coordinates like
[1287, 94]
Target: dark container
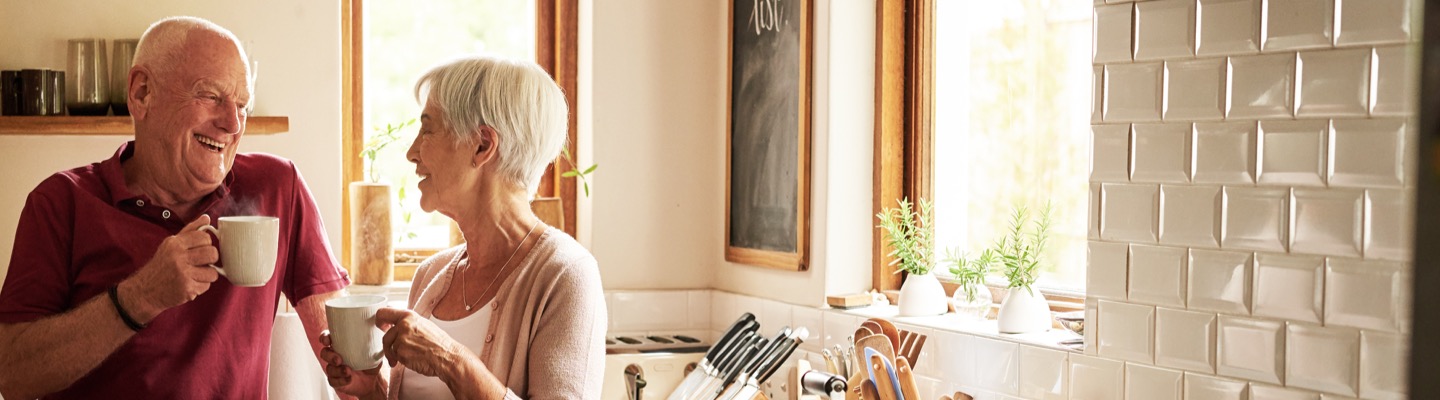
[9, 92]
[33, 99]
[55, 91]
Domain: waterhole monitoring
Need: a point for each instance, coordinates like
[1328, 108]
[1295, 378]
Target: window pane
[402, 40]
[1012, 123]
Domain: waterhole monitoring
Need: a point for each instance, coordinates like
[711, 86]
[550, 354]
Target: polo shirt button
[140, 203]
[489, 338]
[165, 214]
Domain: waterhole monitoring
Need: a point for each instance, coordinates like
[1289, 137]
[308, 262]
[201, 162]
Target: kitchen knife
[791, 344]
[706, 366]
[727, 389]
[766, 364]
[711, 384]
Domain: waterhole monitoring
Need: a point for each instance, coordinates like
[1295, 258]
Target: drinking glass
[87, 78]
[122, 57]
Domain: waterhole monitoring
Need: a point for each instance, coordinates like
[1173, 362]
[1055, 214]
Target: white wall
[659, 137]
[296, 45]
[655, 97]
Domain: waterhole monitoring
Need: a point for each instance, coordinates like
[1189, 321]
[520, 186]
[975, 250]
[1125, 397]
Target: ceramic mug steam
[247, 248]
[353, 333]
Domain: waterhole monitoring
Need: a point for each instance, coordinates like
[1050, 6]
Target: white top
[470, 332]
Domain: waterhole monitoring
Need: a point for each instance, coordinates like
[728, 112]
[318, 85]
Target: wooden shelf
[98, 126]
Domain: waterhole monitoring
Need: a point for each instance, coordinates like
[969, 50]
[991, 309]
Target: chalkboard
[768, 164]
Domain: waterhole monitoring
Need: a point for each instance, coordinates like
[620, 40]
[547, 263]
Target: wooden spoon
[890, 332]
[907, 378]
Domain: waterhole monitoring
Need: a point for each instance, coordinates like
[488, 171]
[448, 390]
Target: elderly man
[109, 292]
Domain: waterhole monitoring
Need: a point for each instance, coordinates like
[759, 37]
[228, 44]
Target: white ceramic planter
[922, 295]
[1024, 311]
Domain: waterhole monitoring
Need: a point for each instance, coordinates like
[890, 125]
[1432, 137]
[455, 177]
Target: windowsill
[949, 322]
[398, 292]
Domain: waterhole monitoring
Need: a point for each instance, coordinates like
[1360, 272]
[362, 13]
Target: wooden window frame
[557, 50]
[905, 129]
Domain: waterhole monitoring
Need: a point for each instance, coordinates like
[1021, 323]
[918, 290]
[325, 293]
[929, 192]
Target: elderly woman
[517, 311]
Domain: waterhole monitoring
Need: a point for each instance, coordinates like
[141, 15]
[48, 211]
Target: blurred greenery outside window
[1012, 127]
[403, 39]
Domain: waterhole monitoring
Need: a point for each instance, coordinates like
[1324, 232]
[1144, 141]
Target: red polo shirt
[83, 231]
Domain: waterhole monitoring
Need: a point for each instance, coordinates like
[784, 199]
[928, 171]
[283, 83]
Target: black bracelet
[124, 316]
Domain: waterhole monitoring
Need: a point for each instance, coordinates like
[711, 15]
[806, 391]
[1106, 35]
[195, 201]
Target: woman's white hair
[515, 98]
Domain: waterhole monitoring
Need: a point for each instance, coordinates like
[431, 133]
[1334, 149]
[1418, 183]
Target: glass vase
[976, 307]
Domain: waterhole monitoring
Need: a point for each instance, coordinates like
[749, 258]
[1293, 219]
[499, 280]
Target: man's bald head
[163, 47]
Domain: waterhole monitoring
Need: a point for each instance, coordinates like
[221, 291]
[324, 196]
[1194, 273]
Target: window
[1012, 91]
[389, 43]
[402, 40]
[1010, 123]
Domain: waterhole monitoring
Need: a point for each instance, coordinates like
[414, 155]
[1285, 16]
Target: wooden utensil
[868, 392]
[910, 346]
[907, 379]
[890, 332]
[855, 385]
[880, 375]
[877, 342]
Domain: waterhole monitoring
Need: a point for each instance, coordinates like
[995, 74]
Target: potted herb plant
[911, 236]
[372, 247]
[972, 299]
[1024, 309]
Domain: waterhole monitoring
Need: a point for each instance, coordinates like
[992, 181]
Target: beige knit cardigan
[547, 333]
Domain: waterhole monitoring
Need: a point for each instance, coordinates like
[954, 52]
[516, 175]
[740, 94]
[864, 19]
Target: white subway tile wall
[1296, 216]
[1146, 382]
[1162, 153]
[1195, 89]
[1206, 387]
[1228, 27]
[1039, 377]
[1368, 153]
[1157, 275]
[1225, 152]
[1185, 340]
[1322, 358]
[1220, 281]
[1293, 152]
[1250, 225]
[1106, 276]
[1267, 392]
[1128, 212]
[1261, 86]
[1132, 92]
[1289, 287]
[1251, 349]
[1334, 83]
[1130, 334]
[1383, 358]
[1297, 24]
[1094, 378]
[1164, 29]
[1190, 215]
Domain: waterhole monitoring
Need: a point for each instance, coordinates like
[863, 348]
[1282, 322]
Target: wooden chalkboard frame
[790, 256]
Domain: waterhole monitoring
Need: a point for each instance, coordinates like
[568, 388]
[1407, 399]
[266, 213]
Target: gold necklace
[498, 276]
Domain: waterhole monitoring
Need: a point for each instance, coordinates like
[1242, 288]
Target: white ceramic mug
[247, 248]
[353, 333]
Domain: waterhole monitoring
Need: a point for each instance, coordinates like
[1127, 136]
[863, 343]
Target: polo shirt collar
[112, 174]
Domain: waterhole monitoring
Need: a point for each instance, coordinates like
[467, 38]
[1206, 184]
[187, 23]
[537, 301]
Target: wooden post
[372, 260]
